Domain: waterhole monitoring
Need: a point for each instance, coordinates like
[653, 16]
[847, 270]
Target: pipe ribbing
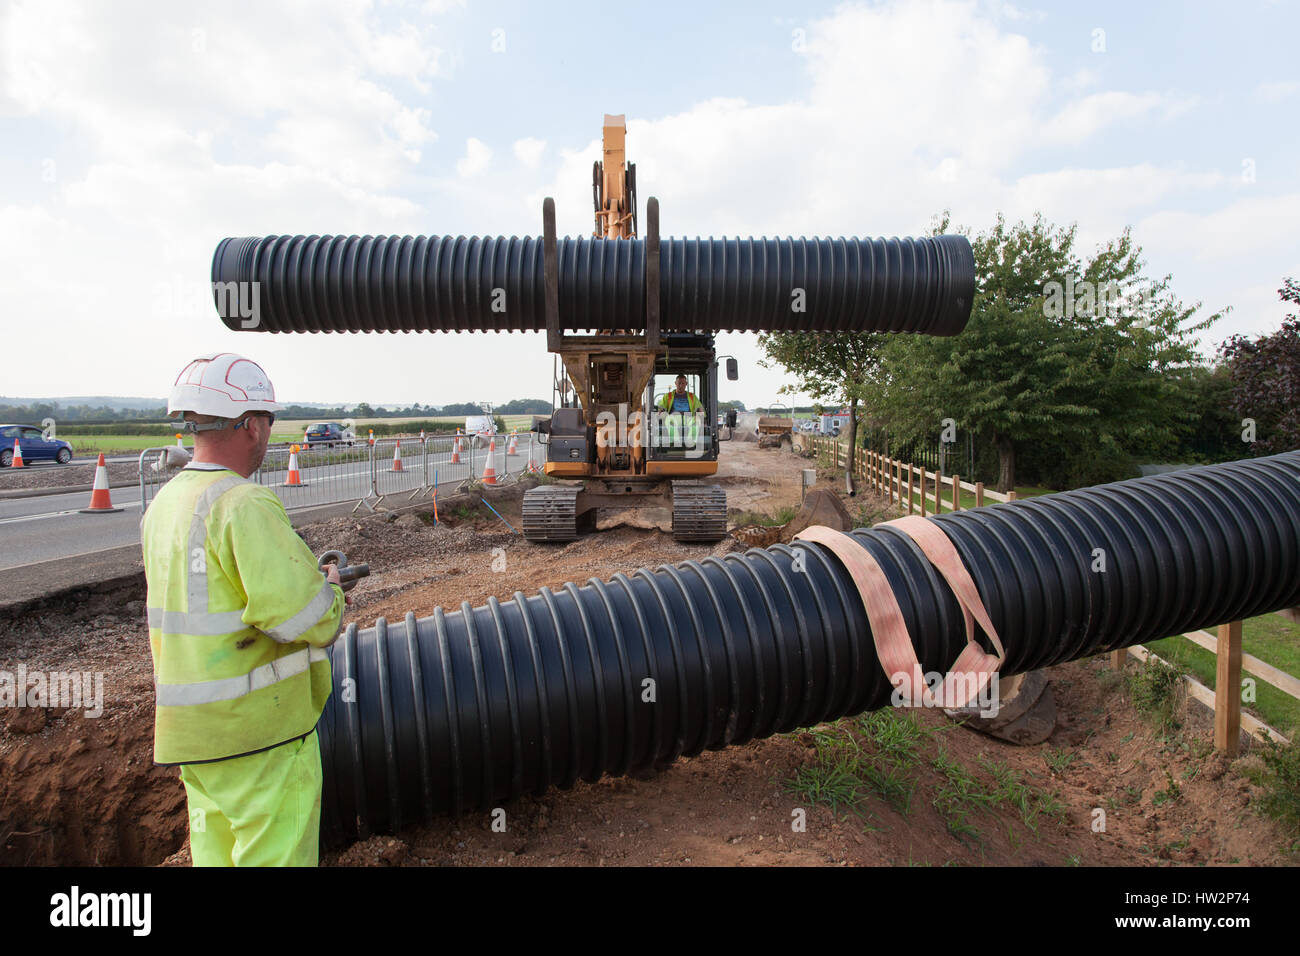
[448, 283]
[464, 709]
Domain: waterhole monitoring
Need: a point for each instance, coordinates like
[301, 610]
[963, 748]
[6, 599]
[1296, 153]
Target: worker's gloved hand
[332, 576]
[334, 564]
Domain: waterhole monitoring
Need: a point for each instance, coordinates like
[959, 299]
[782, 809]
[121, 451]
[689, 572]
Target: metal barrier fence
[368, 472]
[323, 475]
[154, 472]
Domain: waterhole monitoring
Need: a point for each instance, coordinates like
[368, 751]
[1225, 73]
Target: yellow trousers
[258, 810]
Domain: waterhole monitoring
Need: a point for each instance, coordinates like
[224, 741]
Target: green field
[83, 445]
[290, 430]
[1271, 638]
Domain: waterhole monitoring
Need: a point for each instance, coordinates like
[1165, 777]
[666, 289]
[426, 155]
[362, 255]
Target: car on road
[328, 434]
[34, 445]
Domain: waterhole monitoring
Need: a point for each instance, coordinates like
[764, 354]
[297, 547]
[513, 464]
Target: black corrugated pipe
[447, 283]
[465, 709]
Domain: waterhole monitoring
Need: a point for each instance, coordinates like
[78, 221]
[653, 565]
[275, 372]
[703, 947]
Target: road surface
[49, 527]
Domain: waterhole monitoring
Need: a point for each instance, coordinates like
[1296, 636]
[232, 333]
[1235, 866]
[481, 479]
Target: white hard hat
[222, 384]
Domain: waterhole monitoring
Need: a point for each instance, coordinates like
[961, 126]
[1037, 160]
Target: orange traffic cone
[397, 457]
[532, 467]
[490, 473]
[100, 500]
[294, 476]
[513, 447]
[455, 449]
[18, 456]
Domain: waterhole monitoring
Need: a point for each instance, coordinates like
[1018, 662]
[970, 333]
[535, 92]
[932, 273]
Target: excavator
[606, 429]
[623, 314]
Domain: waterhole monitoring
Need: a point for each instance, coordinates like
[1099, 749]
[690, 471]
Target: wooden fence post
[1118, 659]
[956, 492]
[1227, 690]
[979, 494]
[923, 491]
[1011, 495]
[910, 477]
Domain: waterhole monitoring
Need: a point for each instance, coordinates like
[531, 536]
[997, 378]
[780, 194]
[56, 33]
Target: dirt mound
[746, 427]
[43, 475]
[757, 535]
[821, 506]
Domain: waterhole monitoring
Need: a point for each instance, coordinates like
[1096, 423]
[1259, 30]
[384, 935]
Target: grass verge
[890, 757]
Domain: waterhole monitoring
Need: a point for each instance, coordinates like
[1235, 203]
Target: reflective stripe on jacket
[239, 614]
[666, 403]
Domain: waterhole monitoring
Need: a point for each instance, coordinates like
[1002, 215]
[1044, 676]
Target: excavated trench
[82, 790]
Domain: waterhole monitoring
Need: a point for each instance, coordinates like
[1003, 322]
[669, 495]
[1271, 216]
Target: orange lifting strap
[894, 646]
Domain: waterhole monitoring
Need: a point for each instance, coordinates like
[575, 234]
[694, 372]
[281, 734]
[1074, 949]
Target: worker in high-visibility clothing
[239, 616]
[680, 406]
[680, 400]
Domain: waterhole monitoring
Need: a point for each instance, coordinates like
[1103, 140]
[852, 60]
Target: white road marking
[56, 514]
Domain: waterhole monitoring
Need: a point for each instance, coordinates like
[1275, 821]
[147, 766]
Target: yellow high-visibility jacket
[666, 403]
[239, 614]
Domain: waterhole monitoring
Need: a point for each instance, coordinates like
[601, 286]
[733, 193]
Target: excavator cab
[617, 430]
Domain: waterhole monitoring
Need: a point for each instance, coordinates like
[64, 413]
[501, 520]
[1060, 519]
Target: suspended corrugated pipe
[465, 709]
[455, 283]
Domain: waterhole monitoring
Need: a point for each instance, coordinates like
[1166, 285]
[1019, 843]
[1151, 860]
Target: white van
[480, 427]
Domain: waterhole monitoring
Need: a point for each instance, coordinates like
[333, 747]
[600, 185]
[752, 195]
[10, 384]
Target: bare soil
[82, 790]
[44, 474]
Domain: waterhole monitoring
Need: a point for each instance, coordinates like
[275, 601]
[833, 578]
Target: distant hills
[94, 401]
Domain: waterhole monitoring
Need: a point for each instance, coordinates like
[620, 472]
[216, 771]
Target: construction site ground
[84, 790]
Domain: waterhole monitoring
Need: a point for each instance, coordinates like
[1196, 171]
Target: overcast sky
[136, 135]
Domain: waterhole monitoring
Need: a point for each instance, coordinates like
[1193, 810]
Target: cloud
[137, 93]
[529, 150]
[1276, 92]
[1249, 226]
[1080, 80]
[1007, 11]
[185, 126]
[1087, 116]
[476, 158]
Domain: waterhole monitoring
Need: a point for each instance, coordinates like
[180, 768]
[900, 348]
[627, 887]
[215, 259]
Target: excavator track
[551, 513]
[699, 512]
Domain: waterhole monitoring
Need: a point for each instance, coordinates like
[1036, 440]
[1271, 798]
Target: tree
[832, 366]
[1087, 358]
[525, 406]
[1265, 375]
[463, 408]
